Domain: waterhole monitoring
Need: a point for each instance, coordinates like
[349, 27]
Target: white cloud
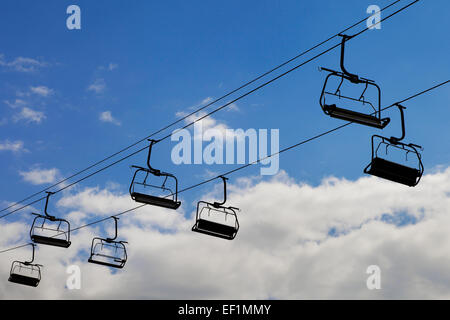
[14, 146]
[106, 116]
[233, 107]
[15, 104]
[40, 176]
[22, 64]
[210, 126]
[29, 115]
[206, 100]
[296, 241]
[42, 91]
[110, 67]
[98, 86]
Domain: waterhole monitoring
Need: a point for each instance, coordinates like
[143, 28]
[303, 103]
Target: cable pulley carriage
[370, 118]
[166, 196]
[49, 230]
[214, 219]
[109, 252]
[391, 170]
[26, 273]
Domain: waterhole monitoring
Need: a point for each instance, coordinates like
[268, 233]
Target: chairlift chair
[49, 230]
[222, 229]
[109, 252]
[391, 170]
[372, 119]
[169, 201]
[26, 273]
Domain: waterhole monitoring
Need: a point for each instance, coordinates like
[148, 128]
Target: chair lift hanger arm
[52, 218]
[352, 77]
[218, 204]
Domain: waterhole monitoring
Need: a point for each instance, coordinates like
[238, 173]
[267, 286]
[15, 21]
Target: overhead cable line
[178, 120]
[254, 162]
[212, 112]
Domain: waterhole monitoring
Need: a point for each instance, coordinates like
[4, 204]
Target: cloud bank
[296, 241]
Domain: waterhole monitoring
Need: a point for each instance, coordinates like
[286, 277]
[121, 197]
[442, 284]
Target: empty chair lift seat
[393, 171]
[156, 201]
[51, 241]
[215, 229]
[26, 281]
[354, 116]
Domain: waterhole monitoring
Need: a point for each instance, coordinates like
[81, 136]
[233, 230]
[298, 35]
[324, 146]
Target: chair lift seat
[156, 201]
[21, 279]
[51, 241]
[120, 265]
[394, 172]
[354, 116]
[214, 229]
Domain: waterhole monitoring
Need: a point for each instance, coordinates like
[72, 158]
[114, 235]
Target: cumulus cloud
[42, 91]
[296, 241]
[40, 176]
[15, 104]
[98, 86]
[14, 146]
[22, 64]
[106, 116]
[29, 115]
[209, 126]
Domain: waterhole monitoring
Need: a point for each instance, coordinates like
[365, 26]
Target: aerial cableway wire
[251, 163]
[175, 122]
[212, 112]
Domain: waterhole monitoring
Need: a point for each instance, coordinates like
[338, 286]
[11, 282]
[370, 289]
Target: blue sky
[150, 60]
[140, 63]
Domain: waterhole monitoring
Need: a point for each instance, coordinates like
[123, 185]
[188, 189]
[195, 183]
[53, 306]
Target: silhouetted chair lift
[50, 230]
[26, 273]
[170, 200]
[393, 171]
[221, 228]
[373, 118]
[109, 252]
